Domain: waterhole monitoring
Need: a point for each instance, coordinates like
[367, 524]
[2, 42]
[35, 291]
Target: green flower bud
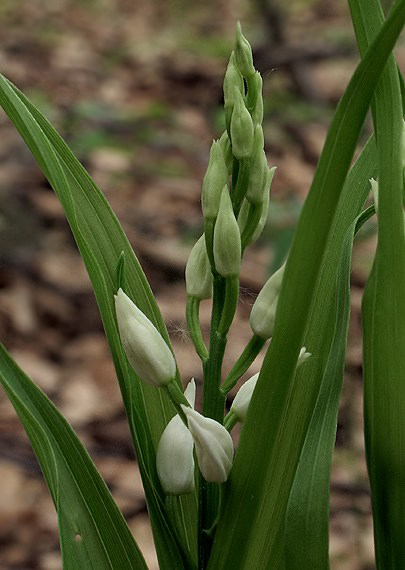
[227, 245]
[257, 110]
[241, 129]
[244, 211]
[262, 315]
[233, 79]
[242, 399]
[198, 272]
[146, 350]
[214, 180]
[258, 170]
[243, 54]
[174, 455]
[213, 446]
[227, 151]
[303, 356]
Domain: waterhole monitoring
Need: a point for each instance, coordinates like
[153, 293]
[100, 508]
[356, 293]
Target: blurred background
[136, 90]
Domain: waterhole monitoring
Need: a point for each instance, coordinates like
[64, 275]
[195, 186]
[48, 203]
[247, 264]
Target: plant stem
[213, 407]
[247, 357]
[194, 327]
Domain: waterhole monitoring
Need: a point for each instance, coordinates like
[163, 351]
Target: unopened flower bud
[213, 445]
[243, 53]
[214, 180]
[241, 129]
[227, 244]
[198, 272]
[146, 350]
[257, 111]
[233, 79]
[242, 399]
[262, 315]
[303, 355]
[374, 190]
[174, 455]
[227, 151]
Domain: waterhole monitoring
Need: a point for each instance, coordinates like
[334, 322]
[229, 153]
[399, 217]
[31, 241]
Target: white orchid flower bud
[303, 356]
[146, 350]
[262, 315]
[213, 445]
[242, 399]
[174, 455]
[199, 278]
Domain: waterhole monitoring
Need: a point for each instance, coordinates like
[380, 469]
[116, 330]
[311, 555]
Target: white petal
[213, 445]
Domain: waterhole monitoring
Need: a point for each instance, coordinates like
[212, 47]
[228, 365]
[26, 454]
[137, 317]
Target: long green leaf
[101, 241]
[256, 495]
[383, 313]
[93, 531]
[307, 520]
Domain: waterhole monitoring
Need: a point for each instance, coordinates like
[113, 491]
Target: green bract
[227, 246]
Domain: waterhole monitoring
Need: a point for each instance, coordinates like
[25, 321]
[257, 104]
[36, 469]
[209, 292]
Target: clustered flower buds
[174, 455]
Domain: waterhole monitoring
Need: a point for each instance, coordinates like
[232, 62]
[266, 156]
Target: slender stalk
[213, 407]
[230, 303]
[239, 189]
[244, 361]
[194, 327]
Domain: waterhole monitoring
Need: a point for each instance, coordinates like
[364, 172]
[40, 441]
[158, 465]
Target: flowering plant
[265, 506]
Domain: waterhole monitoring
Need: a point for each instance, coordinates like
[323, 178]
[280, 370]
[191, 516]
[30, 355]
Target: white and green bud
[232, 80]
[242, 399]
[262, 315]
[174, 455]
[241, 129]
[213, 446]
[146, 350]
[243, 54]
[374, 190]
[227, 244]
[259, 169]
[199, 278]
[265, 206]
[214, 180]
[227, 151]
[303, 355]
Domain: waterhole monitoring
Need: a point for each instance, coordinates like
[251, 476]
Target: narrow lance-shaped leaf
[256, 495]
[383, 313]
[93, 531]
[307, 520]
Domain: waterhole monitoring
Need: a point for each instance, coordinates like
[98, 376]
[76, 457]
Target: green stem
[230, 304]
[230, 420]
[178, 399]
[213, 407]
[194, 326]
[247, 357]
